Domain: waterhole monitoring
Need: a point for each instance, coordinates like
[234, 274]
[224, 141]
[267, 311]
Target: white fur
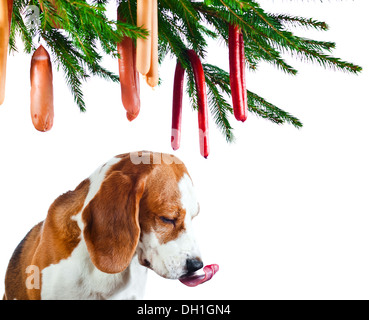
[169, 259]
[188, 196]
[76, 278]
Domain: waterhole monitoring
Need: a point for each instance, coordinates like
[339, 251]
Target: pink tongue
[195, 280]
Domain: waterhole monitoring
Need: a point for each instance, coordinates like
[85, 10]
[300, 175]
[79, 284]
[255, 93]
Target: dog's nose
[193, 265]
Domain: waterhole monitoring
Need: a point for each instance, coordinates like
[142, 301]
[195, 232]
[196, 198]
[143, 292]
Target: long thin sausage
[152, 77]
[42, 97]
[144, 19]
[202, 102]
[177, 106]
[235, 73]
[129, 78]
[243, 76]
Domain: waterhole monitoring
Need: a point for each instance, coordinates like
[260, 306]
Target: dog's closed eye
[168, 221]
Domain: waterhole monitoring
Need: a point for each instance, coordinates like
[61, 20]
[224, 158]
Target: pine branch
[300, 45]
[294, 21]
[70, 60]
[19, 28]
[170, 39]
[267, 110]
[259, 49]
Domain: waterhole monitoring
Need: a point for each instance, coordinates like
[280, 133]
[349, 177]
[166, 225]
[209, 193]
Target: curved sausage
[202, 102]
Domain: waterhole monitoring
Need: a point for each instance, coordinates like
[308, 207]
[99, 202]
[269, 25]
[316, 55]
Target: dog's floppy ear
[112, 227]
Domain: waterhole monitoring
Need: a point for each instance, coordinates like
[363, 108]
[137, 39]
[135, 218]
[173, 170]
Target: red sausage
[177, 106]
[236, 63]
[243, 75]
[202, 102]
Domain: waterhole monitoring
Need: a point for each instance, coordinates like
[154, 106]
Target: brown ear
[112, 227]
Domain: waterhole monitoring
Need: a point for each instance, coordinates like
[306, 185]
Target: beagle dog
[97, 242]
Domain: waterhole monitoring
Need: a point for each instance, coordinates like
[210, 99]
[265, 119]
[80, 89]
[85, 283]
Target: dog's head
[145, 209]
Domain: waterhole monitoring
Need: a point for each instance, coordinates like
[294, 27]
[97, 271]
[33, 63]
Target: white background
[284, 212]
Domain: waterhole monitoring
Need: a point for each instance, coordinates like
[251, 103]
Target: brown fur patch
[111, 222]
[15, 277]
